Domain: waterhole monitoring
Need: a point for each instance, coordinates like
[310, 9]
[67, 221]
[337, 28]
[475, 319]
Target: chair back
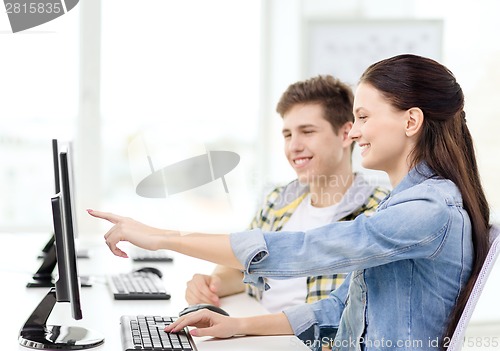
[456, 341]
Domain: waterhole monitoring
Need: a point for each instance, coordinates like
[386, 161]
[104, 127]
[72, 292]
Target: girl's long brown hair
[446, 145]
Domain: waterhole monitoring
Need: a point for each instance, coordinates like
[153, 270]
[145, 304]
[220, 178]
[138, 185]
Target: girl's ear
[414, 122]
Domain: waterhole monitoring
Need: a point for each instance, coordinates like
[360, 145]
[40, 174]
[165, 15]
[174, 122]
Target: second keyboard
[137, 286]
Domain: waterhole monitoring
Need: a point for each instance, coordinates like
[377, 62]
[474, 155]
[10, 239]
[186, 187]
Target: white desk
[101, 312]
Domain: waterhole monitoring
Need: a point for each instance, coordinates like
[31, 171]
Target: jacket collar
[417, 175]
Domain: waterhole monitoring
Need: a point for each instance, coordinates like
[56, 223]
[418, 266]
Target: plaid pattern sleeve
[319, 287]
[265, 216]
[262, 220]
[270, 218]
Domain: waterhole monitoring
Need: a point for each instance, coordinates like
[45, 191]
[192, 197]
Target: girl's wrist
[168, 239]
[242, 326]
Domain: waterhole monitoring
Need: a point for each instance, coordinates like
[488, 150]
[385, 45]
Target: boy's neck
[329, 190]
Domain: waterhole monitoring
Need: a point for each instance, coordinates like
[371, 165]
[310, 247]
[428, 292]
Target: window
[39, 93]
[180, 78]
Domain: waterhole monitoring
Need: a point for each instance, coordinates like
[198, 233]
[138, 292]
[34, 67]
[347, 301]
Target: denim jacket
[408, 263]
[280, 205]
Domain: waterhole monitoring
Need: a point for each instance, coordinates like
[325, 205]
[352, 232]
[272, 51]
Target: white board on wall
[345, 48]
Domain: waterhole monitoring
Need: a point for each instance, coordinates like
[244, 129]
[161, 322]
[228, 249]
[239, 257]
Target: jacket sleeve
[317, 323]
[412, 225]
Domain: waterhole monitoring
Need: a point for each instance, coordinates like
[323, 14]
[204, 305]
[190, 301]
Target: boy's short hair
[334, 96]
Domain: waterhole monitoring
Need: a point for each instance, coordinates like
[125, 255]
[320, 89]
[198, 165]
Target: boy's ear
[414, 121]
[344, 131]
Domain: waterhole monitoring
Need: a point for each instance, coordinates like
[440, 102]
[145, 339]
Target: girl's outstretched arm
[209, 247]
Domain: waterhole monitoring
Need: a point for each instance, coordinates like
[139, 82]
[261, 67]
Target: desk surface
[101, 312]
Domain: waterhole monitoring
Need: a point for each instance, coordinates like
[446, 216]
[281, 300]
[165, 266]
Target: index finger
[113, 218]
[181, 323]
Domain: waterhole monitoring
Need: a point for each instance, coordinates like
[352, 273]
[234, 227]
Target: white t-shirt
[290, 292]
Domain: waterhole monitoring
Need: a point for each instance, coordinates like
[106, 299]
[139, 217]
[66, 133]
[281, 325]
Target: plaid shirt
[280, 205]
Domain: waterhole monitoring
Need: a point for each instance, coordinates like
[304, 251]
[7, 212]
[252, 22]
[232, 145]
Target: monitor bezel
[68, 238]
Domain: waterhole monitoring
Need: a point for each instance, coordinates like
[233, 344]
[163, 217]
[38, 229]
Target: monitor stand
[80, 253]
[36, 334]
[43, 277]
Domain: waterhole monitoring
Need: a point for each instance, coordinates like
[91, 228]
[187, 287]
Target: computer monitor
[43, 277]
[57, 188]
[56, 145]
[35, 333]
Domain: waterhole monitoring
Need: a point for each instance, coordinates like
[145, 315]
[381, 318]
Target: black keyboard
[141, 255]
[147, 333]
[137, 286]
